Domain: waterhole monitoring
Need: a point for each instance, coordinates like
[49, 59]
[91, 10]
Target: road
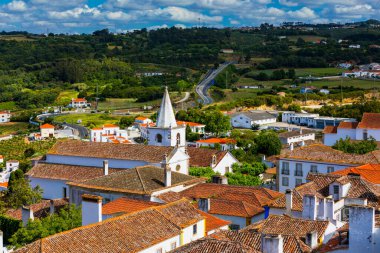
[206, 83]
[82, 131]
[187, 95]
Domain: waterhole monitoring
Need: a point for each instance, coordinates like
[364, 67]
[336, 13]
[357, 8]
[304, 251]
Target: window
[195, 228]
[159, 138]
[178, 167]
[227, 169]
[234, 227]
[298, 181]
[285, 181]
[336, 189]
[159, 250]
[64, 192]
[298, 172]
[285, 168]
[365, 135]
[178, 139]
[330, 169]
[314, 169]
[173, 245]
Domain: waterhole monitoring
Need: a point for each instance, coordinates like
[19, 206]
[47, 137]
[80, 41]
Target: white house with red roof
[78, 103]
[5, 116]
[368, 127]
[46, 131]
[109, 133]
[225, 143]
[195, 127]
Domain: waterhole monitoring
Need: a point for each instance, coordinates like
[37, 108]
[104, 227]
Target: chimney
[218, 179]
[272, 244]
[105, 167]
[1, 241]
[26, 214]
[309, 207]
[291, 146]
[167, 171]
[204, 204]
[213, 161]
[91, 209]
[300, 130]
[289, 201]
[312, 239]
[51, 210]
[362, 229]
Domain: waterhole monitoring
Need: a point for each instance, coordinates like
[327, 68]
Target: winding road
[206, 83]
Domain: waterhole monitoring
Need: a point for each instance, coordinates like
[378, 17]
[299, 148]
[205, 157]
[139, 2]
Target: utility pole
[226, 79]
[97, 96]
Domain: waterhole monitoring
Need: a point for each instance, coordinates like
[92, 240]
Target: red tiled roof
[320, 152]
[40, 210]
[188, 123]
[46, 126]
[4, 185]
[109, 126]
[79, 100]
[371, 172]
[141, 118]
[218, 140]
[330, 130]
[212, 222]
[348, 125]
[126, 205]
[370, 121]
[132, 232]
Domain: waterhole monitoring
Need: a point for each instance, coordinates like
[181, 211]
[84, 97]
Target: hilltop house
[5, 116]
[368, 127]
[109, 133]
[78, 103]
[251, 118]
[46, 131]
[156, 229]
[294, 165]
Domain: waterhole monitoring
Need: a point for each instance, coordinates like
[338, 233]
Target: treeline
[355, 110]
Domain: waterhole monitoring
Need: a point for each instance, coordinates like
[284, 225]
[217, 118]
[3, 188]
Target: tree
[68, 218]
[126, 121]
[19, 192]
[206, 172]
[246, 174]
[360, 147]
[294, 107]
[268, 143]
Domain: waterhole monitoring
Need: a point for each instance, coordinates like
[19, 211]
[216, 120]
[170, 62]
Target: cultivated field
[13, 127]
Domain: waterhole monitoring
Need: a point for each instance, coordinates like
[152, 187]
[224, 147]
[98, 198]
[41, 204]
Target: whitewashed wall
[227, 161]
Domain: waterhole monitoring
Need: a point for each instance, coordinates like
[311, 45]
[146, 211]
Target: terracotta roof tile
[320, 152]
[370, 172]
[213, 222]
[202, 157]
[125, 205]
[348, 125]
[370, 121]
[330, 130]
[126, 233]
[188, 123]
[170, 196]
[40, 210]
[218, 140]
[46, 126]
[139, 180]
[65, 172]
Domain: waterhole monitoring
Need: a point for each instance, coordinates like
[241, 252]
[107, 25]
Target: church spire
[166, 118]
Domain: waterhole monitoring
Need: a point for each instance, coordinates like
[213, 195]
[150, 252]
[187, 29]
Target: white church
[73, 160]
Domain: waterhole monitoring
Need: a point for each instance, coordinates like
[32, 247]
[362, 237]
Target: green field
[315, 72]
[358, 83]
[65, 97]
[13, 127]
[8, 106]
[87, 119]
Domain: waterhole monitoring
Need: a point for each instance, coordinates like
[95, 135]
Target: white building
[142, 120]
[10, 166]
[294, 165]
[78, 103]
[166, 132]
[225, 143]
[5, 116]
[46, 131]
[109, 133]
[250, 118]
[194, 127]
[312, 119]
[369, 127]
[296, 137]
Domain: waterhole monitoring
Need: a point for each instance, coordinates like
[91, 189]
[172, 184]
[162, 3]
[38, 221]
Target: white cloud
[288, 3]
[17, 6]
[304, 13]
[183, 15]
[75, 13]
[356, 9]
[119, 15]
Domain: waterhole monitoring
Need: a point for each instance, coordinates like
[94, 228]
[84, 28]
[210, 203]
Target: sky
[86, 16]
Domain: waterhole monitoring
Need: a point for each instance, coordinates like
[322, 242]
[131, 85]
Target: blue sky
[78, 16]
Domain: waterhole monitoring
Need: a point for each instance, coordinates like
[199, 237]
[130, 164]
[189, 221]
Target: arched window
[178, 139]
[159, 138]
[178, 167]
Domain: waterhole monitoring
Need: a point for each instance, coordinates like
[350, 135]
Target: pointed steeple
[166, 118]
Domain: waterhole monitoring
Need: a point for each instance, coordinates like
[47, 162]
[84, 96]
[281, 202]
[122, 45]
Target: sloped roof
[323, 153]
[370, 121]
[46, 126]
[202, 157]
[330, 130]
[370, 172]
[191, 124]
[218, 140]
[139, 180]
[286, 225]
[126, 233]
[256, 115]
[65, 172]
[348, 125]
[126, 205]
[40, 210]
[242, 201]
[289, 134]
